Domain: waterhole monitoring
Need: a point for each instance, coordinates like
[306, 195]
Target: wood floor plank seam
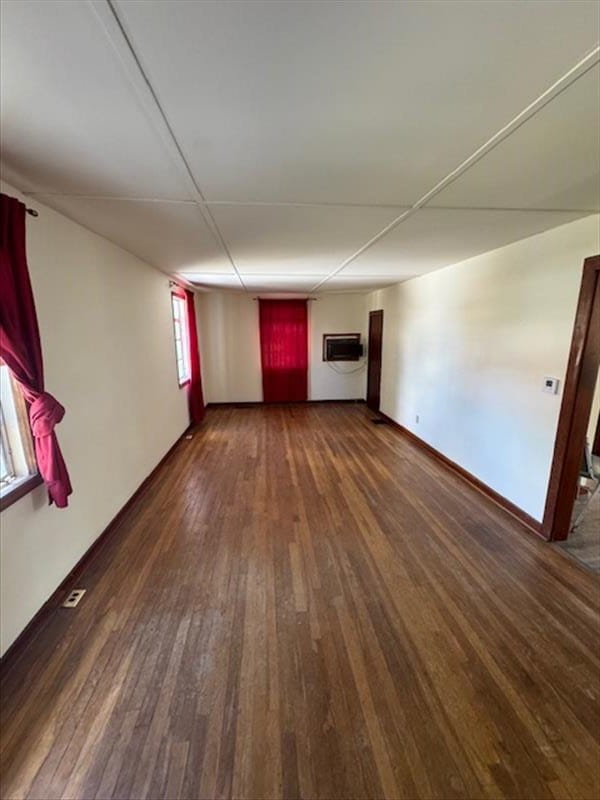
[302, 604]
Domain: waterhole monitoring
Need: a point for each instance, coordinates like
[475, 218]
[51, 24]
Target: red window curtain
[195, 398]
[284, 350]
[21, 349]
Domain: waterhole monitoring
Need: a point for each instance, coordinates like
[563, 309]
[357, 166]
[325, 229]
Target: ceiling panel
[355, 283]
[70, 121]
[332, 103]
[281, 283]
[171, 236]
[296, 239]
[255, 283]
[552, 161]
[434, 238]
[370, 102]
[214, 280]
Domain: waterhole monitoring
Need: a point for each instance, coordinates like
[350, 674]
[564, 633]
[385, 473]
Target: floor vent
[378, 421]
[73, 598]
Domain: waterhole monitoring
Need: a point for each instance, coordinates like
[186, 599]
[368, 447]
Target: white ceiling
[271, 146]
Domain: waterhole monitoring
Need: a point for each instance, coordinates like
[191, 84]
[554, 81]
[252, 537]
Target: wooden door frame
[375, 312]
[576, 404]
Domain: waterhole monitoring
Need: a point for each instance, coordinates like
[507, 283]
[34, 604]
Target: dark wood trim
[374, 359]
[527, 520]
[574, 411]
[238, 404]
[252, 403]
[32, 482]
[42, 616]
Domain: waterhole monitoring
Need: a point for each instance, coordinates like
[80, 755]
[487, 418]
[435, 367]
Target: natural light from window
[180, 330]
[17, 461]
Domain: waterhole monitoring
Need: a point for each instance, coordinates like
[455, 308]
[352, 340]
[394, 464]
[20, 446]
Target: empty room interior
[300, 399]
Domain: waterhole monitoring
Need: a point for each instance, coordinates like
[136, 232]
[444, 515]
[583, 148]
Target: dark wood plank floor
[303, 604]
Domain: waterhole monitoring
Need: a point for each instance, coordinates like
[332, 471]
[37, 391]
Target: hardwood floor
[583, 542]
[304, 604]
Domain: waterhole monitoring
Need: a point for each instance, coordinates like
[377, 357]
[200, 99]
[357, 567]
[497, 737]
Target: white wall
[106, 331]
[336, 313]
[467, 347]
[230, 347]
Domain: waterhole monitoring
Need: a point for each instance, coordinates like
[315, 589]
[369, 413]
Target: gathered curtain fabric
[284, 350]
[21, 350]
[195, 397]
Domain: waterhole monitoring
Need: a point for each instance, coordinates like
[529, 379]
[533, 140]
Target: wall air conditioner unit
[342, 347]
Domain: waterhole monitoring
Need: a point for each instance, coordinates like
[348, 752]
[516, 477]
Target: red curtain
[284, 350]
[195, 398]
[21, 349]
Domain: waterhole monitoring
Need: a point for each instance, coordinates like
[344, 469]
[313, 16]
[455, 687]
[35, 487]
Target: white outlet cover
[73, 598]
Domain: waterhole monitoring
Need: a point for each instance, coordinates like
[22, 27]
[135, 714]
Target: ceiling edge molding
[291, 204]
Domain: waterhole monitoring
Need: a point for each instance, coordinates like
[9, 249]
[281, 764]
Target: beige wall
[466, 349]
[230, 347]
[107, 340]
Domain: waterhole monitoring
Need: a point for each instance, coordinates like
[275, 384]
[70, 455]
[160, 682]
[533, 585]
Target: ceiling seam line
[204, 210]
[302, 204]
[581, 68]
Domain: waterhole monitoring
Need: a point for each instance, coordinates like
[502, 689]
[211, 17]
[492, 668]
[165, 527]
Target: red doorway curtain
[21, 350]
[284, 350]
[195, 397]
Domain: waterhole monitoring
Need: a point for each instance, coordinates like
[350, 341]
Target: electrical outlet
[73, 598]
[417, 419]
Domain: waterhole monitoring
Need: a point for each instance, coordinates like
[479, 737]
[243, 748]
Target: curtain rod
[32, 212]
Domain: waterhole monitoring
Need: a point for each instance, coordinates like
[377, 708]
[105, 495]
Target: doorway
[580, 382]
[374, 359]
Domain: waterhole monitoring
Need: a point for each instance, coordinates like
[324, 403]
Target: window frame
[23, 483]
[182, 339]
[6, 451]
[20, 489]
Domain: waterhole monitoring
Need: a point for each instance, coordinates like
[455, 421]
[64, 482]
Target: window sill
[20, 489]
[185, 383]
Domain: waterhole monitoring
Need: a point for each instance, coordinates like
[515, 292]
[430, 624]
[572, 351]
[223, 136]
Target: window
[7, 469]
[182, 345]
[17, 460]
